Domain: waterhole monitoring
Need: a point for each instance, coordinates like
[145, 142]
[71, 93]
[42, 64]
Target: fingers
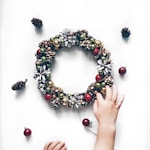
[64, 148]
[95, 106]
[99, 96]
[108, 93]
[54, 145]
[119, 103]
[111, 95]
[47, 145]
[97, 102]
[114, 94]
[57, 145]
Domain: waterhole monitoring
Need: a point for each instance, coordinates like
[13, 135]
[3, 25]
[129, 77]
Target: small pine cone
[19, 85]
[125, 32]
[37, 23]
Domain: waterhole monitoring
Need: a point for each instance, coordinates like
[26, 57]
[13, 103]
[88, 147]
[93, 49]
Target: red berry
[98, 78]
[95, 51]
[87, 97]
[38, 52]
[27, 132]
[86, 122]
[122, 70]
[48, 97]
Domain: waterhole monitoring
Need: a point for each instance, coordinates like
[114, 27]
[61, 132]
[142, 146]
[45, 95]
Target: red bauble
[27, 132]
[86, 122]
[98, 78]
[122, 70]
[38, 52]
[95, 51]
[48, 97]
[87, 97]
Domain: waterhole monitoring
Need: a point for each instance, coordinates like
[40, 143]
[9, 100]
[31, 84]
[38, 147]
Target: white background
[73, 71]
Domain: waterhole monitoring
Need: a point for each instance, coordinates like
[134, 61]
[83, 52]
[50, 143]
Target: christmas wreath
[44, 60]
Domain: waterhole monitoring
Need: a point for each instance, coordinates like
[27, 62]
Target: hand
[57, 145]
[106, 110]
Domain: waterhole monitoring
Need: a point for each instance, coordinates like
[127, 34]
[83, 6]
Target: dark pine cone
[125, 32]
[37, 23]
[19, 85]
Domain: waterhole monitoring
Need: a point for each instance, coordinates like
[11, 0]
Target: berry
[87, 97]
[98, 85]
[95, 51]
[122, 70]
[38, 52]
[98, 78]
[42, 50]
[103, 84]
[86, 122]
[82, 37]
[27, 132]
[48, 97]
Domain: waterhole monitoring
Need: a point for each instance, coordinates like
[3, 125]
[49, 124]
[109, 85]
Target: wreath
[45, 56]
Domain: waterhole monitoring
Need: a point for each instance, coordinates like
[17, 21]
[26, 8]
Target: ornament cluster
[45, 56]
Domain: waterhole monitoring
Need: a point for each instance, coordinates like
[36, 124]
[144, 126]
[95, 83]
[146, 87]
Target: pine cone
[19, 85]
[37, 23]
[125, 32]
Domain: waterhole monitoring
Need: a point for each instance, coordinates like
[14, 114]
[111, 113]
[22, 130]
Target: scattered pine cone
[19, 85]
[125, 32]
[37, 23]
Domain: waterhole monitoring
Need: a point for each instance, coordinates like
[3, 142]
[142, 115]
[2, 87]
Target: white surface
[104, 20]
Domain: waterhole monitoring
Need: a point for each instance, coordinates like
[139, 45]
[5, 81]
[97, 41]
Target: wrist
[107, 127]
[105, 136]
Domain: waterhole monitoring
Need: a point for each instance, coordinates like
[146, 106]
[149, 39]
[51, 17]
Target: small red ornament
[27, 132]
[38, 52]
[87, 97]
[98, 78]
[95, 51]
[86, 122]
[122, 70]
[48, 97]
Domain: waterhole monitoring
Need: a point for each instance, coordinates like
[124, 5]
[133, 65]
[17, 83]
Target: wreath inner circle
[73, 69]
[45, 56]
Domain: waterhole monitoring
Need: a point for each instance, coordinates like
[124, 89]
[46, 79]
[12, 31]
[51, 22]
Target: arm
[106, 112]
[105, 138]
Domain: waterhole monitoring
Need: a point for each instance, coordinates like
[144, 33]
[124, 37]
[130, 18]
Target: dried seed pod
[19, 85]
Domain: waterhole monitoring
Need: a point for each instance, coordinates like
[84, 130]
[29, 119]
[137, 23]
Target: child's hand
[57, 145]
[106, 110]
